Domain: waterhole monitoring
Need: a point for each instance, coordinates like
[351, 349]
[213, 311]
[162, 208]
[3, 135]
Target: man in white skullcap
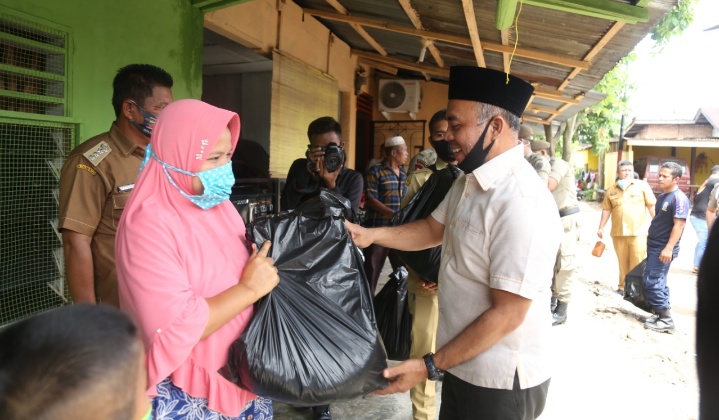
[384, 189]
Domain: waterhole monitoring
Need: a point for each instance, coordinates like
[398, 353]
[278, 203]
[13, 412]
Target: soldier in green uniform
[97, 178]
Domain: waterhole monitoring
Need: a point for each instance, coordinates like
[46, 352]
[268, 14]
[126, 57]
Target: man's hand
[330, 178]
[666, 255]
[362, 237]
[600, 233]
[428, 285]
[403, 376]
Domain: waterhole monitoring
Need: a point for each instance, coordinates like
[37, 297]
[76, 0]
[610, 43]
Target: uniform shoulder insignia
[86, 168]
[98, 153]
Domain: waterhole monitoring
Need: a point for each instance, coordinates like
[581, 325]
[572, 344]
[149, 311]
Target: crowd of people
[165, 254]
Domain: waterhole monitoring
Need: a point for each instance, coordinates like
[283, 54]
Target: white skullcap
[394, 141]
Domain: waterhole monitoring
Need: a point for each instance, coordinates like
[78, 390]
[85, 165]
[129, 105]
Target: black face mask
[443, 150]
[476, 156]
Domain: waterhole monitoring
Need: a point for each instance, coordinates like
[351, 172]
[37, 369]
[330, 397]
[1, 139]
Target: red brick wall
[675, 131]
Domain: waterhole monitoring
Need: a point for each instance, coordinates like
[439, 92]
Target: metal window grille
[33, 81]
[31, 256]
[32, 67]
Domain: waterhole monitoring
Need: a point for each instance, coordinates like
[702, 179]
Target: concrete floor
[386, 407]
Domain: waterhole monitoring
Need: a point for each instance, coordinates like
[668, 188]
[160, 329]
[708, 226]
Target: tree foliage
[601, 122]
[674, 23]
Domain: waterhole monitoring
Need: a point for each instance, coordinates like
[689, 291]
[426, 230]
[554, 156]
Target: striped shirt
[382, 184]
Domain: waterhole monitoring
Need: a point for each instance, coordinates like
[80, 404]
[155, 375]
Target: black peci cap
[490, 87]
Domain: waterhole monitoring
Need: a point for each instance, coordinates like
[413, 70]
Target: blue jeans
[700, 227]
[656, 291]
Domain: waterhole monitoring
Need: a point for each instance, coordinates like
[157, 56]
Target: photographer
[322, 167]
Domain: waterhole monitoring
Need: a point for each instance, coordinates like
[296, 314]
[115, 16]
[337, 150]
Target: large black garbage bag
[393, 318]
[313, 340]
[426, 262]
[634, 287]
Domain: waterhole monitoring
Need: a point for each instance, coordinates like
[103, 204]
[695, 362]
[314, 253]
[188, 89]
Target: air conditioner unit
[399, 95]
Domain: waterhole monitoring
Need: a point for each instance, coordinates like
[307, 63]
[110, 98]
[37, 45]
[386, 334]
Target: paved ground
[606, 366]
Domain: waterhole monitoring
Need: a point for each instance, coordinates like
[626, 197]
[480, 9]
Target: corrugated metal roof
[553, 45]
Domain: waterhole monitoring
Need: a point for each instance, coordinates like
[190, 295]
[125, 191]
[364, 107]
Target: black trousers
[462, 400]
[374, 258]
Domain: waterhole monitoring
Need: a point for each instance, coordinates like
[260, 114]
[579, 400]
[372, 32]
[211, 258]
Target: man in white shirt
[496, 271]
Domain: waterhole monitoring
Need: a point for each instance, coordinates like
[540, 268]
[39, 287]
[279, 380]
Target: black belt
[567, 212]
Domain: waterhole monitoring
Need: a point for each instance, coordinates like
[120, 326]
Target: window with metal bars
[32, 67]
[33, 72]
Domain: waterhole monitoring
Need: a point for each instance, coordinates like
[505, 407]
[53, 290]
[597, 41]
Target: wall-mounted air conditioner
[399, 95]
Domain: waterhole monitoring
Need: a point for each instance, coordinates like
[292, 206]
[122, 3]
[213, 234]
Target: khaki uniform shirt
[713, 197]
[414, 182]
[540, 164]
[629, 208]
[565, 195]
[95, 183]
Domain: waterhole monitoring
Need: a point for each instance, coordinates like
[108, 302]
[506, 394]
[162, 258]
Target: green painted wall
[108, 34]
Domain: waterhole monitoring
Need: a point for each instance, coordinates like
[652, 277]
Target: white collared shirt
[502, 231]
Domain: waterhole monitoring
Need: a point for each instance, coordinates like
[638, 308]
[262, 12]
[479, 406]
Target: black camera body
[334, 158]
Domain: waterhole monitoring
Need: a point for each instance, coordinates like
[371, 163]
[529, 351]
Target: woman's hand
[260, 275]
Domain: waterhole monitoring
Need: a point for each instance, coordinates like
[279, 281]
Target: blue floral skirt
[172, 403]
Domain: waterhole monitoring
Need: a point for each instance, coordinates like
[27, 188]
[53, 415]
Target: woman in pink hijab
[185, 271]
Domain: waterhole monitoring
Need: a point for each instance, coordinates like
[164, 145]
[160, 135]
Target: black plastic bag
[634, 287]
[426, 262]
[313, 340]
[393, 318]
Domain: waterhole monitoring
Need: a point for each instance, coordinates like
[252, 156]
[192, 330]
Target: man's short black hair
[323, 125]
[624, 163]
[136, 82]
[675, 168]
[61, 363]
[438, 116]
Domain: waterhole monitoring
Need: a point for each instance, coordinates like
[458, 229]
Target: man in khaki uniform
[562, 184]
[97, 178]
[423, 303]
[627, 201]
[541, 165]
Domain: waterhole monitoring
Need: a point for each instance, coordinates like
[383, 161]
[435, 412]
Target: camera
[334, 158]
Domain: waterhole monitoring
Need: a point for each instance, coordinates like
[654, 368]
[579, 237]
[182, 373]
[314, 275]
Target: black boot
[322, 412]
[664, 323]
[559, 316]
[553, 304]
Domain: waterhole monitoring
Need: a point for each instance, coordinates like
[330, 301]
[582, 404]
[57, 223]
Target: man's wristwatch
[433, 373]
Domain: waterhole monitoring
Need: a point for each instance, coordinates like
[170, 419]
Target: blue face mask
[217, 182]
[623, 183]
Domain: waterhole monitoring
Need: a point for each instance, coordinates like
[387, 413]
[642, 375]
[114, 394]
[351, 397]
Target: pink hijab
[171, 255]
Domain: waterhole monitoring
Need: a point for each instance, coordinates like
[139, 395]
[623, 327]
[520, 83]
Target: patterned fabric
[382, 184]
[172, 403]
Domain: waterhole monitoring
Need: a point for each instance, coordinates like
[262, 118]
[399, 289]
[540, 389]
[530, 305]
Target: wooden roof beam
[418, 67]
[544, 110]
[379, 66]
[504, 34]
[454, 39]
[535, 120]
[593, 52]
[602, 9]
[564, 108]
[471, 19]
[417, 23]
[360, 30]
[554, 95]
